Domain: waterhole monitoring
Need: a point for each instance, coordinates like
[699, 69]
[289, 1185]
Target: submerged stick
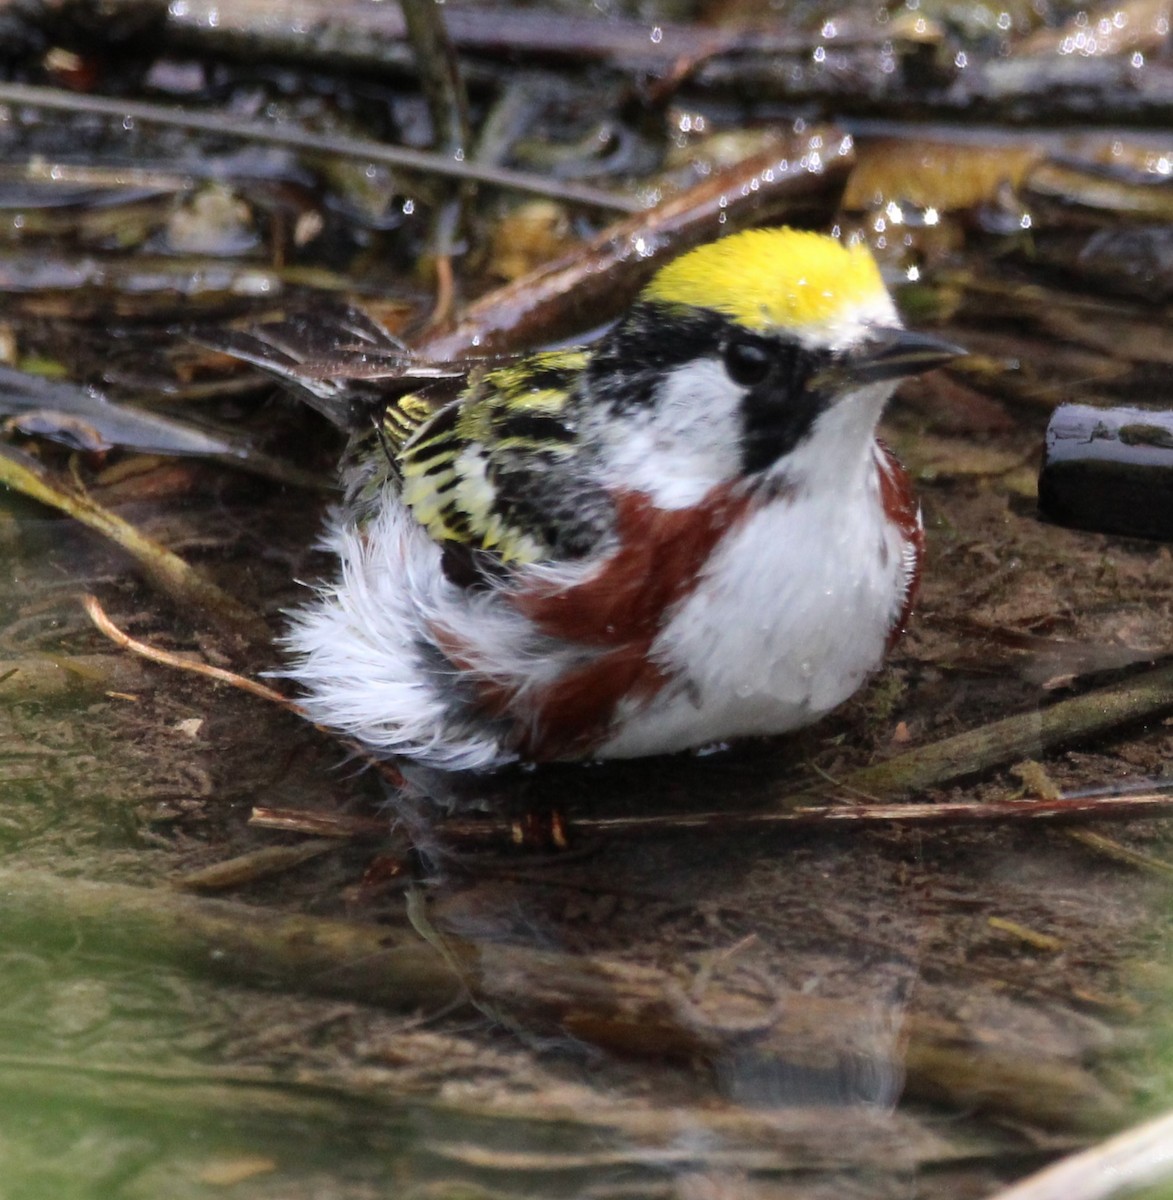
[620, 1006]
[256, 864]
[226, 940]
[551, 1133]
[165, 570]
[1140, 1157]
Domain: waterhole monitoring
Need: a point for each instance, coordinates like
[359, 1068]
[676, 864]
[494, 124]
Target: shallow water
[670, 1007]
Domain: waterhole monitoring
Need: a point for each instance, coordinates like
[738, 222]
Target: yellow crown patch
[772, 278]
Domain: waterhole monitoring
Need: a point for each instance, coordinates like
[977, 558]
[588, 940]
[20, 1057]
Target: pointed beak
[889, 354]
[895, 353]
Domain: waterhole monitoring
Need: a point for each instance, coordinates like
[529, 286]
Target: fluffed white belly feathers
[792, 611]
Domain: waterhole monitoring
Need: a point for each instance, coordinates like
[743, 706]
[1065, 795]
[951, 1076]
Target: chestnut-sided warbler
[683, 533]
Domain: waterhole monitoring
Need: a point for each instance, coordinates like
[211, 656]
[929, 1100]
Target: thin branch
[468, 832]
[165, 658]
[439, 71]
[366, 150]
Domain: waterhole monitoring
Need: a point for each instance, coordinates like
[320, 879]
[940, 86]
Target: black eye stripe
[628, 365]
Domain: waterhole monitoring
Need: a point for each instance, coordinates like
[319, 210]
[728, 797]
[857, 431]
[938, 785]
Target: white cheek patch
[683, 446]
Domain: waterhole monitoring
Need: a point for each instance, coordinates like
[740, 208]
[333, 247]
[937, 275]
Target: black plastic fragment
[1109, 469]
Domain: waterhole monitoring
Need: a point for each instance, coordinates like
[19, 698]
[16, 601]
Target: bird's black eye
[747, 363]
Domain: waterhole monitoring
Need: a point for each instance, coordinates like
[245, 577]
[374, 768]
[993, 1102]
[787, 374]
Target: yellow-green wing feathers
[403, 418]
[476, 472]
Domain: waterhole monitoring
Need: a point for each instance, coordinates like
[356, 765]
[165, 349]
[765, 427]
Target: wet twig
[233, 679]
[220, 124]
[443, 88]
